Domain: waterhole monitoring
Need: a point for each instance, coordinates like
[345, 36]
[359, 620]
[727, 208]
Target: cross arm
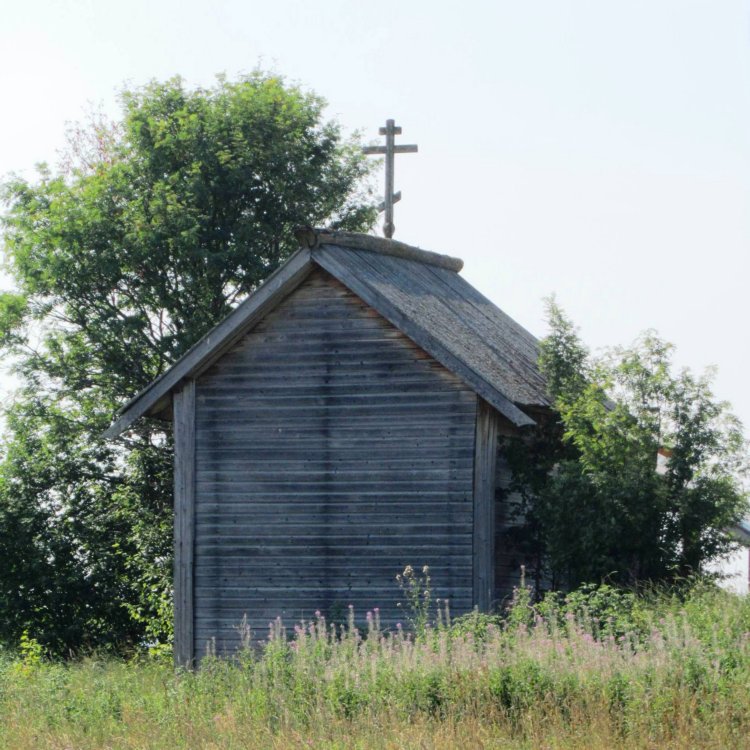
[396, 199]
[405, 149]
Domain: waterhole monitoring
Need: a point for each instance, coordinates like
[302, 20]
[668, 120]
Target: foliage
[152, 230]
[598, 505]
[417, 591]
[676, 676]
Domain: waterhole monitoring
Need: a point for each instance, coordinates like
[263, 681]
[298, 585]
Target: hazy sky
[599, 150]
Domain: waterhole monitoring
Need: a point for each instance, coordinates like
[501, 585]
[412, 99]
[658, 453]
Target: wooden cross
[390, 149]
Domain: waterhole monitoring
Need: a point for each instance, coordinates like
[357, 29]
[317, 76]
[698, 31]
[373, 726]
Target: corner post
[184, 523]
[485, 457]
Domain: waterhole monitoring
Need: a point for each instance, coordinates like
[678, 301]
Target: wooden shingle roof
[419, 292]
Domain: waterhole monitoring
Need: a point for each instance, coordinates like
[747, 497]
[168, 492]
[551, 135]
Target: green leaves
[13, 311]
[600, 504]
[154, 229]
[562, 357]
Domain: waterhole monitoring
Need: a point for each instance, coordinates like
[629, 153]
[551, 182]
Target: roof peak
[312, 238]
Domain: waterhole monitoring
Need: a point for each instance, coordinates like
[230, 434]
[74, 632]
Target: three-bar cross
[390, 149]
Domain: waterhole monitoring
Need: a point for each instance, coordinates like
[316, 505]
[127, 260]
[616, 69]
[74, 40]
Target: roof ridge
[312, 238]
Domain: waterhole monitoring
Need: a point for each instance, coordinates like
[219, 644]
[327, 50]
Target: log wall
[330, 452]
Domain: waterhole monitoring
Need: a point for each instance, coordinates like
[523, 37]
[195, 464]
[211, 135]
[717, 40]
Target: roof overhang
[207, 350]
[156, 397]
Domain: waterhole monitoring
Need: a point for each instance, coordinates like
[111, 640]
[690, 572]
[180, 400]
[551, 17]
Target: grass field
[602, 670]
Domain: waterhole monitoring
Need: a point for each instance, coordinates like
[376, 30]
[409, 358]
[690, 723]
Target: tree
[150, 232]
[597, 504]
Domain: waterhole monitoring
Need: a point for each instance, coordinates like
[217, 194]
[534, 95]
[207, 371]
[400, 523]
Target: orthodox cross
[390, 149]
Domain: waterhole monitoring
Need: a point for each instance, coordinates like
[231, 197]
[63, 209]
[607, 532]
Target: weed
[595, 669]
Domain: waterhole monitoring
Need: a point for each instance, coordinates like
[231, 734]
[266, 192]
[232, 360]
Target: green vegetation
[595, 507]
[599, 669]
[149, 233]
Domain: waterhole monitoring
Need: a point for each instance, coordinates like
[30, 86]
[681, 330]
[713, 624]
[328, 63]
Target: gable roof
[417, 291]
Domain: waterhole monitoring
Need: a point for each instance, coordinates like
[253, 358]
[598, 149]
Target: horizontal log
[221, 579]
[293, 383]
[260, 348]
[385, 376]
[282, 452]
[382, 433]
[350, 396]
[429, 487]
[420, 435]
[331, 408]
[227, 597]
[239, 500]
[364, 545]
[291, 609]
[313, 471]
[305, 521]
[219, 538]
[342, 553]
[320, 520]
[279, 452]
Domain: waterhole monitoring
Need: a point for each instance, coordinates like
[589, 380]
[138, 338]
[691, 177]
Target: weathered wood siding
[485, 458]
[184, 519]
[330, 452]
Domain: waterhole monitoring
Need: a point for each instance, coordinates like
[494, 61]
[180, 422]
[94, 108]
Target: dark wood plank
[184, 522]
[484, 505]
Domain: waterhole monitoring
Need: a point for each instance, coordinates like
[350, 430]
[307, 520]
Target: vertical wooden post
[485, 456]
[389, 131]
[184, 523]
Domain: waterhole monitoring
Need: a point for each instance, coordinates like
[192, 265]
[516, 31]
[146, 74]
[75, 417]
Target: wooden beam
[316, 238]
[184, 524]
[378, 150]
[219, 339]
[485, 456]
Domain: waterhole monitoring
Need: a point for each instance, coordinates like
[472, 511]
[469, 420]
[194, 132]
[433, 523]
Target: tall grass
[601, 669]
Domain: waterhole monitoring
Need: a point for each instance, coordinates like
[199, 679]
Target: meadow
[599, 668]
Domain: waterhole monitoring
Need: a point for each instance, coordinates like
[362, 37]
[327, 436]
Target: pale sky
[596, 149]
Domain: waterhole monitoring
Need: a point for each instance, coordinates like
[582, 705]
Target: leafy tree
[151, 230]
[597, 503]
